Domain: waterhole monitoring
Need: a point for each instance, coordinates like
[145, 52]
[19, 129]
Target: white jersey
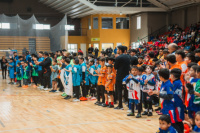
[133, 88]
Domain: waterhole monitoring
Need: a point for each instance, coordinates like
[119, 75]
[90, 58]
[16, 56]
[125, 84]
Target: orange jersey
[115, 72]
[198, 63]
[110, 77]
[179, 67]
[184, 70]
[139, 65]
[102, 80]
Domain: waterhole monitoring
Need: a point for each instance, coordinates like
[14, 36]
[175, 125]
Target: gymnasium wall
[134, 32]
[21, 44]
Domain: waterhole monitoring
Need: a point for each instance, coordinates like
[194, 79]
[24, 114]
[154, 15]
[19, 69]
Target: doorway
[83, 48]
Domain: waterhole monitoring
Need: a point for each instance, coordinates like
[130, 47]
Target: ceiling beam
[126, 3]
[88, 3]
[84, 14]
[61, 4]
[48, 2]
[158, 4]
[81, 12]
[78, 8]
[54, 3]
[64, 7]
[72, 7]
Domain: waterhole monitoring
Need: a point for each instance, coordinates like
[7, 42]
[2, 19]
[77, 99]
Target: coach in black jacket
[122, 65]
[46, 70]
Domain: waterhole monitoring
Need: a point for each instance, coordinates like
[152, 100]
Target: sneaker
[52, 91]
[93, 98]
[138, 115]
[57, 91]
[19, 86]
[144, 113]
[129, 111]
[104, 105]
[150, 114]
[100, 104]
[15, 83]
[67, 97]
[11, 83]
[46, 89]
[29, 84]
[25, 86]
[39, 87]
[97, 103]
[159, 108]
[34, 86]
[42, 88]
[84, 99]
[76, 100]
[64, 94]
[131, 114]
[111, 106]
[120, 108]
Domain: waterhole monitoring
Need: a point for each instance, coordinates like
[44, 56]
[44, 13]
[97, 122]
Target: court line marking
[2, 124]
[87, 123]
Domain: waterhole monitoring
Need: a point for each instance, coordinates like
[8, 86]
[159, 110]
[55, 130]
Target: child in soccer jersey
[165, 125]
[101, 82]
[175, 75]
[197, 123]
[192, 78]
[87, 82]
[76, 79]
[54, 74]
[82, 74]
[133, 87]
[11, 68]
[26, 75]
[195, 91]
[19, 74]
[166, 95]
[92, 78]
[148, 82]
[67, 69]
[34, 71]
[109, 87]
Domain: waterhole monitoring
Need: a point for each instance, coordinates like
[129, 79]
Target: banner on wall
[67, 82]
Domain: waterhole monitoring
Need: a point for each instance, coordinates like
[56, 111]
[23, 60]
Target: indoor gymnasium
[102, 66]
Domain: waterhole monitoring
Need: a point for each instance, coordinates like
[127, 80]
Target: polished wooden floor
[34, 111]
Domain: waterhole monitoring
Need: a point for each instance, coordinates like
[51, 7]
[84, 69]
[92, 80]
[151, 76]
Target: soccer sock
[106, 102]
[150, 110]
[132, 108]
[112, 103]
[145, 110]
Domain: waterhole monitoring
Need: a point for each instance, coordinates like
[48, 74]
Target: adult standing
[115, 50]
[46, 70]
[41, 58]
[4, 66]
[90, 50]
[96, 51]
[122, 65]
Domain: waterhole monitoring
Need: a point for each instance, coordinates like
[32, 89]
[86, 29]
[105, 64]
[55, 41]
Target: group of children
[171, 80]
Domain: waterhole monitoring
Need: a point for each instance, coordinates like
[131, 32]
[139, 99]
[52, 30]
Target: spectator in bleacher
[160, 54]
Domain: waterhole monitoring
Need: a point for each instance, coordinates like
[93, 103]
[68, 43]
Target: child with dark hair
[165, 125]
[197, 123]
[82, 76]
[140, 61]
[101, 82]
[67, 69]
[26, 75]
[109, 87]
[11, 68]
[54, 74]
[133, 87]
[34, 71]
[92, 78]
[151, 56]
[175, 75]
[148, 82]
[76, 79]
[190, 58]
[19, 74]
[194, 91]
[166, 95]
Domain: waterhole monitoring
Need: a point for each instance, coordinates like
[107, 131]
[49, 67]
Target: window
[107, 23]
[135, 45]
[72, 48]
[95, 23]
[122, 23]
[69, 27]
[138, 22]
[41, 26]
[5, 25]
[89, 23]
[96, 45]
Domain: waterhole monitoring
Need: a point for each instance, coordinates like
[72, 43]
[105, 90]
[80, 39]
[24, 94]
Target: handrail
[153, 32]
